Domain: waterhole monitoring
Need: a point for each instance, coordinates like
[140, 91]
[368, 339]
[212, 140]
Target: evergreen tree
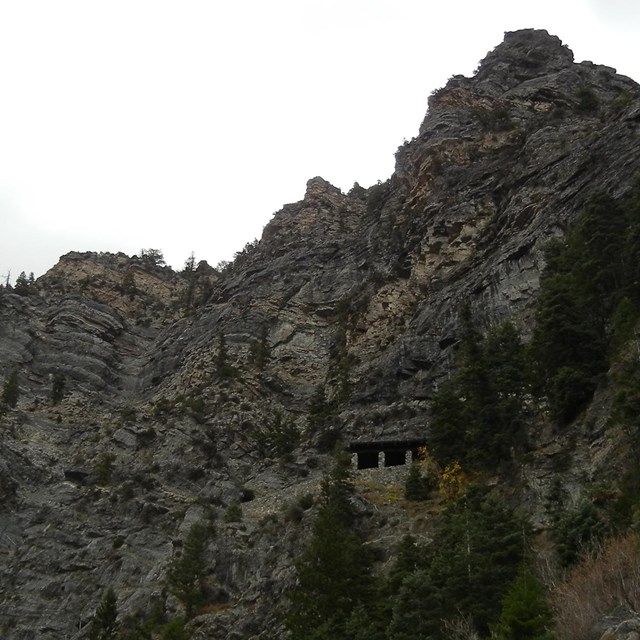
[223, 368]
[580, 531]
[152, 257]
[600, 238]
[24, 285]
[417, 610]
[57, 388]
[448, 425]
[525, 612]
[319, 420]
[410, 558]
[334, 572]
[187, 571]
[568, 345]
[104, 625]
[476, 552]
[11, 390]
[259, 350]
[479, 417]
[416, 486]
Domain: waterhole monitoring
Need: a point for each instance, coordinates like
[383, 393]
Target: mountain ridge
[166, 402]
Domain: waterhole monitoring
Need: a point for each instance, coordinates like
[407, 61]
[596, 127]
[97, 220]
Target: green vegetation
[224, 370]
[320, 420]
[526, 614]
[417, 485]
[11, 390]
[152, 257]
[103, 468]
[278, 438]
[104, 625]
[186, 572]
[587, 303]
[58, 385]
[233, 513]
[260, 350]
[24, 286]
[334, 572]
[479, 416]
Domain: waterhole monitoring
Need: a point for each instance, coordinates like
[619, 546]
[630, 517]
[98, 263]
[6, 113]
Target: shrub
[601, 583]
[57, 388]
[587, 100]
[11, 390]
[233, 513]
[416, 486]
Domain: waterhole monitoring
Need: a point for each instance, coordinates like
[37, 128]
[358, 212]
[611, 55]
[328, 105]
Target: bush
[11, 390]
[416, 486]
[587, 100]
[597, 586]
[233, 513]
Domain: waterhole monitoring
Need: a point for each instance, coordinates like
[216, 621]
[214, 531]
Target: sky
[184, 125]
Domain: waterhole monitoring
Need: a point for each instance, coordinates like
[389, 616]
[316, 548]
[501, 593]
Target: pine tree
[223, 368]
[417, 610]
[416, 486]
[476, 552]
[57, 388]
[23, 284]
[187, 571]
[104, 625]
[259, 350]
[526, 614]
[11, 390]
[410, 558]
[334, 572]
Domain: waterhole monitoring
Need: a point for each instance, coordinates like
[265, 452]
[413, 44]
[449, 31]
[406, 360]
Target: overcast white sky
[184, 125]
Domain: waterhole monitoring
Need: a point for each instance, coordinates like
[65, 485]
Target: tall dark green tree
[223, 367]
[187, 570]
[417, 610]
[568, 345]
[260, 351]
[334, 572]
[57, 388]
[104, 625]
[525, 615]
[24, 286]
[476, 552]
[478, 417]
[11, 390]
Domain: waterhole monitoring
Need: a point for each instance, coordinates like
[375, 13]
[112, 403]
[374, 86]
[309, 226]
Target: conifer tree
[417, 611]
[187, 570]
[526, 614]
[334, 572]
[223, 368]
[57, 388]
[416, 486]
[104, 625]
[11, 390]
[260, 349]
[476, 552]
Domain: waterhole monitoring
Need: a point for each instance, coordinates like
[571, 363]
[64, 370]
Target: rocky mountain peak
[318, 187]
[524, 54]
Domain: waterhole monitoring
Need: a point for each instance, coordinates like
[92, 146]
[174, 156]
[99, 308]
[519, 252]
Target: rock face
[162, 420]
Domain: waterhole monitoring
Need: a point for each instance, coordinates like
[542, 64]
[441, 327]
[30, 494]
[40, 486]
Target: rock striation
[165, 401]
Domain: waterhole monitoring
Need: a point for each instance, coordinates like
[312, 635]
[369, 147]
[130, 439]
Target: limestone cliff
[356, 292]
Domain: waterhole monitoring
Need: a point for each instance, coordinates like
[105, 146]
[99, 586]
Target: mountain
[151, 400]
